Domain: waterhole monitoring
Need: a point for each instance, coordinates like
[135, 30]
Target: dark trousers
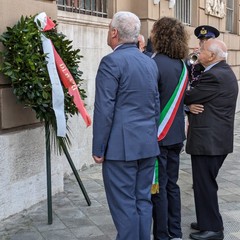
[128, 191]
[167, 203]
[204, 172]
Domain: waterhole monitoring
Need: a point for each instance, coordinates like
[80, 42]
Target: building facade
[85, 22]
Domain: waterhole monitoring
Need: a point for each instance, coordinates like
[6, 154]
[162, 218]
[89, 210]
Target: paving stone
[87, 231]
[59, 235]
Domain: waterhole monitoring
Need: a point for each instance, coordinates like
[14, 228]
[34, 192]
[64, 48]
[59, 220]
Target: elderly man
[210, 135]
[125, 122]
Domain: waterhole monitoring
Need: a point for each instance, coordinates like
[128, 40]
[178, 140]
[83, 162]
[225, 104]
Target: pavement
[73, 219]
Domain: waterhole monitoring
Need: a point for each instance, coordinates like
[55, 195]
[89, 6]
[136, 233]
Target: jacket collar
[212, 65]
[124, 46]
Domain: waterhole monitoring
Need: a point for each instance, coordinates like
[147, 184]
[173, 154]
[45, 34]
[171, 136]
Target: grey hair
[214, 47]
[128, 26]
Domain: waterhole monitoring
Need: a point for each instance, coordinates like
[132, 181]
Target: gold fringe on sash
[155, 188]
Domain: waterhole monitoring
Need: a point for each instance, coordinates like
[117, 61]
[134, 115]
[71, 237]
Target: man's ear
[114, 33]
[213, 56]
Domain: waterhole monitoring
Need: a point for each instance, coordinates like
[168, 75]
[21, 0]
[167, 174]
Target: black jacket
[211, 132]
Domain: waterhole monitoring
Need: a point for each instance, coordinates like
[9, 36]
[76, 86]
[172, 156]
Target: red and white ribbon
[59, 67]
[57, 91]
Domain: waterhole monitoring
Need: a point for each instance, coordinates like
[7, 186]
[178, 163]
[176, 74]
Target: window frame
[97, 8]
[231, 16]
[183, 11]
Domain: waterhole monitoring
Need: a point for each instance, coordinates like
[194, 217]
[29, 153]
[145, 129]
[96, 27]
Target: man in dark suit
[126, 113]
[210, 135]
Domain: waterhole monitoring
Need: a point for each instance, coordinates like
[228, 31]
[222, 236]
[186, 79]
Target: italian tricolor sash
[167, 116]
[155, 184]
[169, 111]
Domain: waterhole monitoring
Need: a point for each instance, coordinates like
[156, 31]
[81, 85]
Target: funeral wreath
[24, 63]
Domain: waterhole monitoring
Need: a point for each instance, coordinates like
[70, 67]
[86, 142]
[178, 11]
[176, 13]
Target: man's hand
[196, 108]
[98, 159]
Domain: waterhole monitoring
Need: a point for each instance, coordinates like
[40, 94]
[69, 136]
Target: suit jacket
[126, 108]
[211, 132]
[169, 73]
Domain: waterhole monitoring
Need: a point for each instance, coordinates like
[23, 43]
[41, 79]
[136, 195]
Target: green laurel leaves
[24, 64]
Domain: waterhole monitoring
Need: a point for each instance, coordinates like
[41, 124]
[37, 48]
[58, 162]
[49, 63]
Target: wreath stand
[48, 169]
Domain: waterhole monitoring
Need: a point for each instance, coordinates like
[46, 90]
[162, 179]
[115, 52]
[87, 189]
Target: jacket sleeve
[204, 91]
[105, 98]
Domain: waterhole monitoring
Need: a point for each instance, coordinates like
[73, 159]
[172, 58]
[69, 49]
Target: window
[89, 7]
[183, 11]
[230, 15]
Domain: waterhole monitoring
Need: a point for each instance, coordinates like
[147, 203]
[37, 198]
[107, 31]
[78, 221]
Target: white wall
[22, 171]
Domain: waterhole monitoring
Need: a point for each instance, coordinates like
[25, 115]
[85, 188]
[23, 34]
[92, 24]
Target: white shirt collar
[210, 66]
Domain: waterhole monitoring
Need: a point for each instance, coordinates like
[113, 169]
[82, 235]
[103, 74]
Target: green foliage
[25, 65]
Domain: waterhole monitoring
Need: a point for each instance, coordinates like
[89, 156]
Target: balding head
[212, 50]
[218, 47]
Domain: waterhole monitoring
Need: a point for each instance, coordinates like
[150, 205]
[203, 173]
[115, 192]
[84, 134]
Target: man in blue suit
[126, 112]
